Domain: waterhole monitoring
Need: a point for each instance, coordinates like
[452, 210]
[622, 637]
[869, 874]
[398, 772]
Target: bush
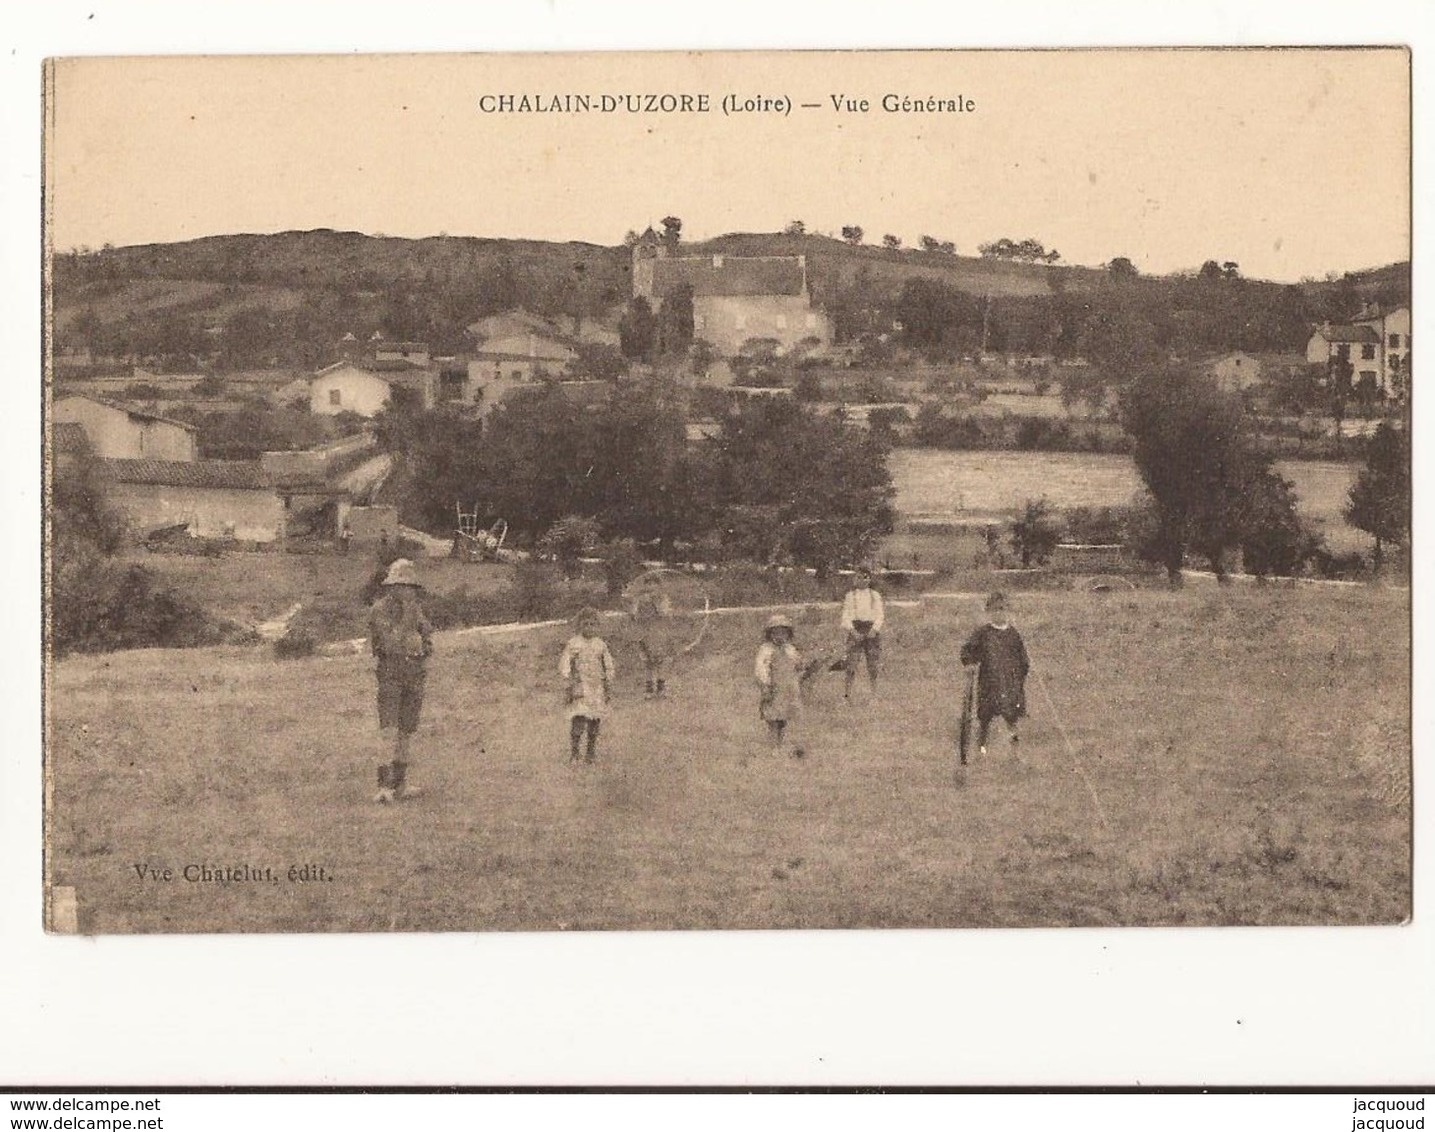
[536, 592]
[99, 606]
[621, 564]
[1096, 526]
[295, 644]
[1034, 534]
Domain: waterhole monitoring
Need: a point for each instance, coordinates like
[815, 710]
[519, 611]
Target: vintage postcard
[669, 491]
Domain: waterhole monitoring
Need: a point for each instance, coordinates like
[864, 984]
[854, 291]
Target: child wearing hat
[862, 618]
[1000, 654]
[400, 636]
[779, 680]
[587, 666]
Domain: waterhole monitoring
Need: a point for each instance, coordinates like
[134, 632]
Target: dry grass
[1249, 750]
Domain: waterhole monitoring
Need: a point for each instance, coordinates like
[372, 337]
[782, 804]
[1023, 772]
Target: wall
[727, 321]
[253, 516]
[114, 433]
[359, 392]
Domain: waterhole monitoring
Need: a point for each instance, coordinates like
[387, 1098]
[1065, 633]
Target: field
[1214, 756]
[936, 482]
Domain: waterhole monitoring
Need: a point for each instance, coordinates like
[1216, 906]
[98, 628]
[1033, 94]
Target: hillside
[286, 298]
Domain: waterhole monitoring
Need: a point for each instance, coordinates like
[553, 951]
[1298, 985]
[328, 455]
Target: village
[754, 329]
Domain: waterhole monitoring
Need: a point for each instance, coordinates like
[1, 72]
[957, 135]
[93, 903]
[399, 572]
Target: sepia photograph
[728, 490]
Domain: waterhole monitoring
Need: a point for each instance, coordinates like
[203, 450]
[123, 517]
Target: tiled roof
[69, 436]
[137, 414]
[1349, 334]
[245, 474]
[738, 275]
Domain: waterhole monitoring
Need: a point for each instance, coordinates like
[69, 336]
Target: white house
[122, 432]
[346, 387]
[520, 357]
[1235, 371]
[1376, 343]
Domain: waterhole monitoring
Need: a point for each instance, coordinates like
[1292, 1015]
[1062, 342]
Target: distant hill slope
[319, 284]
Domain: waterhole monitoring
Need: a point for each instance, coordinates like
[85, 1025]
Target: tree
[1025, 251]
[675, 321]
[823, 487]
[930, 243]
[672, 232]
[795, 228]
[1379, 500]
[1122, 268]
[1034, 533]
[638, 330]
[852, 233]
[1210, 271]
[599, 360]
[1273, 538]
[1191, 445]
[892, 242]
[1339, 389]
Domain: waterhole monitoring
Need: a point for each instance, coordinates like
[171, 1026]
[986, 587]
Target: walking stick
[964, 732]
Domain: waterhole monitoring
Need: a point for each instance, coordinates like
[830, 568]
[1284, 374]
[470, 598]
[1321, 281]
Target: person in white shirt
[862, 618]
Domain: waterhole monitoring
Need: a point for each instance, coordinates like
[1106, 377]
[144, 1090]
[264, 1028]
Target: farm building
[213, 498]
[520, 357]
[735, 298]
[1235, 371]
[126, 433]
[346, 387]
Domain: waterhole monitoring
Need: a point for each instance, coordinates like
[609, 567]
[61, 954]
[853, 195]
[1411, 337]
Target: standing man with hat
[862, 618]
[401, 638]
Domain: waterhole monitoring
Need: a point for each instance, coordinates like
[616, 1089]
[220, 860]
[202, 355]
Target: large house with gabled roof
[1376, 343]
[736, 299]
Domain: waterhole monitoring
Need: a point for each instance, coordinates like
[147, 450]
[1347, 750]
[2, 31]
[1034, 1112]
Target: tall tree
[852, 233]
[1190, 444]
[638, 330]
[1379, 500]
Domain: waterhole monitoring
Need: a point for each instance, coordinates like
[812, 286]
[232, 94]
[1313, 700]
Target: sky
[1292, 163]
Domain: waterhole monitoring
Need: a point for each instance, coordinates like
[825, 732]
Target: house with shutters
[736, 299]
[1376, 343]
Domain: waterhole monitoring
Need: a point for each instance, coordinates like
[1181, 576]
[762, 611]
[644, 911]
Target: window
[1367, 352]
[1395, 341]
[334, 397]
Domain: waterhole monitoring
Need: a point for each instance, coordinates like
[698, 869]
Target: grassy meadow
[1215, 756]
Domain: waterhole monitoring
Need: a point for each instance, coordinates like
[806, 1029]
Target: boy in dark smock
[1000, 656]
[400, 637]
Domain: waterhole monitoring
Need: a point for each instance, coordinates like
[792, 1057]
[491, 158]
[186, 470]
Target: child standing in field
[588, 668]
[862, 618]
[1000, 656]
[400, 636]
[650, 614]
[779, 680]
